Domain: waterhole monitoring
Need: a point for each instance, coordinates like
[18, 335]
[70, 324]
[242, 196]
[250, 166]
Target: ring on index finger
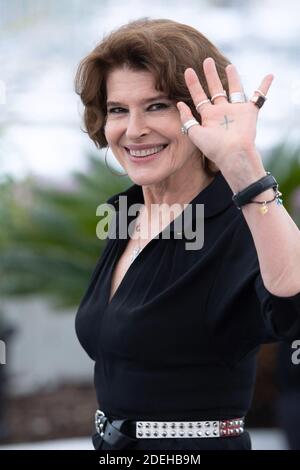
[201, 103]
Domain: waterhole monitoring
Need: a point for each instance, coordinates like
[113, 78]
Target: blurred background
[52, 178]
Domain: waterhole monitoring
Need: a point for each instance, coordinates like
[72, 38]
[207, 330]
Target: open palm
[226, 128]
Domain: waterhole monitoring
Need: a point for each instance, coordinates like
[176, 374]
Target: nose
[136, 126]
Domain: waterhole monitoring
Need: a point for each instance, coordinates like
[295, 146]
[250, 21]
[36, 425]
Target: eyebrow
[148, 100]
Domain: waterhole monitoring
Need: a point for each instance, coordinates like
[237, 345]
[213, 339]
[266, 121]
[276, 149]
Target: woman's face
[143, 129]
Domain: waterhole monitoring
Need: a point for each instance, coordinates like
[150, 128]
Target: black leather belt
[123, 433]
[111, 431]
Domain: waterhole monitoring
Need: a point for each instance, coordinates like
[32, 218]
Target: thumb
[186, 115]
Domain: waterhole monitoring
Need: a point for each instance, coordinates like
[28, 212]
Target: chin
[145, 180]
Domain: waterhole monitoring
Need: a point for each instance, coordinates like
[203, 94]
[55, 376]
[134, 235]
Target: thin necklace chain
[136, 251]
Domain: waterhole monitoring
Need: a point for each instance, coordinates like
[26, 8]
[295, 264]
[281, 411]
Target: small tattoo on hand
[226, 122]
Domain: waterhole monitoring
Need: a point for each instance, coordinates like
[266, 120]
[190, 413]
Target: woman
[173, 327]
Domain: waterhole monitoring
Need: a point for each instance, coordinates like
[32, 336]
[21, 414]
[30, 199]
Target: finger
[195, 88]
[234, 81]
[186, 115]
[265, 84]
[213, 80]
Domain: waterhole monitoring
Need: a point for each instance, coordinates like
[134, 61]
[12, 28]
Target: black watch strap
[244, 196]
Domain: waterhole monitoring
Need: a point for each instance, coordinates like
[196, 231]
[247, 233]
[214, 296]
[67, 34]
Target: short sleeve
[281, 315]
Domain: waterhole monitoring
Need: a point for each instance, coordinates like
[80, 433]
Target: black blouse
[179, 339]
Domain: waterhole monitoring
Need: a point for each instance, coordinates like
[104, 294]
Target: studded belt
[111, 430]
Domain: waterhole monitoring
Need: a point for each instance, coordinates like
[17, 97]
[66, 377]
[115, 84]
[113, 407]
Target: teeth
[145, 153]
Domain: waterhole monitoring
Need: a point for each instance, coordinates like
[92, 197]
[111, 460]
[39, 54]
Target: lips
[137, 156]
[144, 146]
[146, 152]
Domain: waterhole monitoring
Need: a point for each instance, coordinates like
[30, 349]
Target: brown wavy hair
[161, 46]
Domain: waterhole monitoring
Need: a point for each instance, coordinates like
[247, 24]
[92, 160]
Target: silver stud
[101, 434]
[140, 434]
[215, 433]
[230, 423]
[181, 433]
[173, 433]
[241, 429]
[148, 433]
[164, 425]
[215, 424]
[191, 425]
[199, 433]
[147, 425]
[181, 425]
[207, 424]
[207, 433]
[223, 425]
[140, 425]
[155, 425]
[164, 434]
[155, 433]
[198, 425]
[173, 425]
[230, 431]
[191, 433]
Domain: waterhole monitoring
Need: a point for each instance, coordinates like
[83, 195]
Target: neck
[163, 203]
[175, 192]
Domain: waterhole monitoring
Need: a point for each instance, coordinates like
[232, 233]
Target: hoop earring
[203, 160]
[108, 167]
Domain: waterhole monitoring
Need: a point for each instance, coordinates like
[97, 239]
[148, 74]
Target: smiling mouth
[146, 152]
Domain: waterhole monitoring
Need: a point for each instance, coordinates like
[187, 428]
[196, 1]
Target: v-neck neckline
[120, 250]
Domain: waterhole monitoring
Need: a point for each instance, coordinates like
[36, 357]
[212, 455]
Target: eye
[154, 107]
[115, 110]
[159, 106]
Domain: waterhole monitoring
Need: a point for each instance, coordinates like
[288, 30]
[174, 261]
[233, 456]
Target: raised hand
[227, 129]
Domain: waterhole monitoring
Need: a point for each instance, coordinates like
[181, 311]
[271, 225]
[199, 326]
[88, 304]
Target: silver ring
[237, 97]
[188, 124]
[260, 93]
[222, 93]
[201, 103]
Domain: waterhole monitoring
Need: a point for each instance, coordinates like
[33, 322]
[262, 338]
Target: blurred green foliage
[48, 242]
[284, 163]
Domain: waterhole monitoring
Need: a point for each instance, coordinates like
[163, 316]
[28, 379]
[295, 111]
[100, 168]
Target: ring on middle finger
[222, 93]
[201, 103]
[237, 97]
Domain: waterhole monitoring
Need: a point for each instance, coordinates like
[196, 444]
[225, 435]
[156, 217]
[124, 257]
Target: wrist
[247, 168]
[266, 195]
[247, 196]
